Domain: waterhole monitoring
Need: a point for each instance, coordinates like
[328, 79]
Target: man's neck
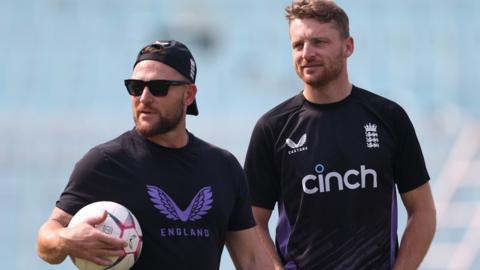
[331, 92]
[176, 138]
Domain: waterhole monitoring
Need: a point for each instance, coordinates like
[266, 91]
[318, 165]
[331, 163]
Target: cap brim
[192, 109]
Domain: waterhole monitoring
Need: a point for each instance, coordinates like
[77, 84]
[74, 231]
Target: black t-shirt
[332, 169]
[164, 188]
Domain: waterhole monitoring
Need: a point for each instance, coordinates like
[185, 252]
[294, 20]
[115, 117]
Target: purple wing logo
[198, 207]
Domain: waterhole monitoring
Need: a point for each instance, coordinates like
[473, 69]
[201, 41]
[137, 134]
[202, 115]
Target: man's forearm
[416, 240]
[49, 246]
[268, 244]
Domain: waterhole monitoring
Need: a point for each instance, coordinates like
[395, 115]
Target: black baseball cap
[176, 55]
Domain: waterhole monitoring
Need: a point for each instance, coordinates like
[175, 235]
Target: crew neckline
[190, 142]
[332, 105]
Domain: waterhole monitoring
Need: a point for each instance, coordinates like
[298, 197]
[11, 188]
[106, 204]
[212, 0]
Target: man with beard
[190, 197]
[332, 158]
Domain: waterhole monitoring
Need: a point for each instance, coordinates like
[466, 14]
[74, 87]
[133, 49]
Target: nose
[146, 95]
[307, 52]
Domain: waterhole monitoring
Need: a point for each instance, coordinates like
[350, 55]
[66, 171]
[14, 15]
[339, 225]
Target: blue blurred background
[61, 92]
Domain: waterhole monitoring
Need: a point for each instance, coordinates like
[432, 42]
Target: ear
[190, 94]
[349, 47]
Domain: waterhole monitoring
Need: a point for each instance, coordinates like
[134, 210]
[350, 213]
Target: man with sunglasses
[189, 196]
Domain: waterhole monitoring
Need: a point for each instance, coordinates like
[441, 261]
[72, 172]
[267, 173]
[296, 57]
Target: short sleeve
[241, 217]
[409, 169]
[85, 182]
[259, 168]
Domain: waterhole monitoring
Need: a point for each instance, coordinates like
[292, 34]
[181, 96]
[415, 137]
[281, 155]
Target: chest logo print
[300, 143]
[198, 207]
[371, 136]
[297, 147]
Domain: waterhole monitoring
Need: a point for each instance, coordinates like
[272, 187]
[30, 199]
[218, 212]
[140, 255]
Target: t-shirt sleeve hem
[415, 185]
[265, 205]
[243, 227]
[71, 207]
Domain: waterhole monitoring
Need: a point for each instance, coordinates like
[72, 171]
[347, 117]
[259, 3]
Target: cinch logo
[351, 179]
[297, 147]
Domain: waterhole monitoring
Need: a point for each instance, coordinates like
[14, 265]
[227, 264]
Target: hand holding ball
[120, 222]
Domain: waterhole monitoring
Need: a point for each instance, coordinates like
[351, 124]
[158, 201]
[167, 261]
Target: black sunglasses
[158, 88]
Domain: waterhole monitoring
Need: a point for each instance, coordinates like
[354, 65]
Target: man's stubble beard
[329, 74]
[162, 125]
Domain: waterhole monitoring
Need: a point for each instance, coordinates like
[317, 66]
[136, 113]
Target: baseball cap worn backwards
[176, 55]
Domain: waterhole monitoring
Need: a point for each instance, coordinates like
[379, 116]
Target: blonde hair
[324, 11]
